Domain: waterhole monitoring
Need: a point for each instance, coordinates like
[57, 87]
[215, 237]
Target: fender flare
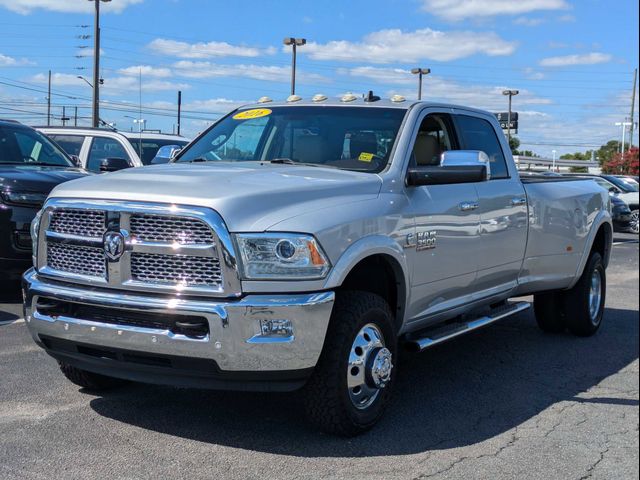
[604, 217]
[367, 247]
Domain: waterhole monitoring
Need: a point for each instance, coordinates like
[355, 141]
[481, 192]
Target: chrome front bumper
[234, 341]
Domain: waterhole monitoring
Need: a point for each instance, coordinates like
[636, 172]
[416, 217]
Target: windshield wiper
[196, 160]
[288, 161]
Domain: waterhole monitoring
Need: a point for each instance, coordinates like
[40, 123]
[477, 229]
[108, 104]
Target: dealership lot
[508, 401]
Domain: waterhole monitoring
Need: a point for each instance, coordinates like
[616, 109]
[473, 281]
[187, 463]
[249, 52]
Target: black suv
[30, 166]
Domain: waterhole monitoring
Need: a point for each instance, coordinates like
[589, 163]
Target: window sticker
[365, 157]
[254, 113]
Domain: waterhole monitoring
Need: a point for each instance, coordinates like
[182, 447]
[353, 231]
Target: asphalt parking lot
[508, 401]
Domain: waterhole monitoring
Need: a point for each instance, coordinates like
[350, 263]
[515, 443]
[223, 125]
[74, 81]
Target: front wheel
[634, 226]
[352, 383]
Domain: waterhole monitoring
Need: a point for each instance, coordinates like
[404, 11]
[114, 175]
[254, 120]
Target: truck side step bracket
[438, 335]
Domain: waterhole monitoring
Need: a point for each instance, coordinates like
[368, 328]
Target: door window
[102, 148]
[478, 134]
[72, 144]
[434, 137]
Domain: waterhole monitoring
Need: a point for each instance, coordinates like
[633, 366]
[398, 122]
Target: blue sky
[571, 60]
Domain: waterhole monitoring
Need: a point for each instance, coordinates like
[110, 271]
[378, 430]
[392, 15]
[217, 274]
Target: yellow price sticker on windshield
[254, 113]
[365, 157]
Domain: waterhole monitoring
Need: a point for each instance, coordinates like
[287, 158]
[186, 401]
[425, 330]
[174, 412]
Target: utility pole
[633, 104]
[75, 116]
[95, 117]
[420, 72]
[294, 42]
[179, 109]
[49, 102]
[510, 93]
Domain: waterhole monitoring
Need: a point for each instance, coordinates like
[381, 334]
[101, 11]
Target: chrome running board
[439, 335]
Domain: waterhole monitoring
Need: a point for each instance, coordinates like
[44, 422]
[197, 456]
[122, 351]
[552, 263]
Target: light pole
[85, 80]
[624, 126]
[95, 116]
[420, 72]
[510, 93]
[294, 42]
[553, 152]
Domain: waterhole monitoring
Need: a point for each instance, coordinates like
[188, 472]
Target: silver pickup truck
[301, 244]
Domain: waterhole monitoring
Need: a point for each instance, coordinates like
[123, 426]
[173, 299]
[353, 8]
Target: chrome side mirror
[466, 158]
[166, 154]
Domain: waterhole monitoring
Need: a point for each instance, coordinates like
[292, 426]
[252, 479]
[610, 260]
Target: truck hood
[250, 196]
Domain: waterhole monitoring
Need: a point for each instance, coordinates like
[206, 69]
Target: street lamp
[553, 152]
[511, 94]
[624, 126]
[420, 72]
[95, 121]
[294, 42]
[85, 80]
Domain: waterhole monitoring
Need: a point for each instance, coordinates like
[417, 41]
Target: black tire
[328, 402]
[89, 380]
[577, 312]
[635, 226]
[549, 312]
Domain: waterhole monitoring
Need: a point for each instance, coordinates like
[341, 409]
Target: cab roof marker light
[348, 97]
[397, 98]
[293, 98]
[264, 100]
[319, 98]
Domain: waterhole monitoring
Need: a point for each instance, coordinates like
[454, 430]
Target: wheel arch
[600, 240]
[377, 265]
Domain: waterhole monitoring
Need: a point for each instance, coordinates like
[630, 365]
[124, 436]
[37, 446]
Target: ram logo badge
[422, 240]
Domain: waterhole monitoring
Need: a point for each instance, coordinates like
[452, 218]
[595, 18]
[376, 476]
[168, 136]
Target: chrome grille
[77, 260]
[170, 229]
[176, 269]
[167, 248]
[84, 223]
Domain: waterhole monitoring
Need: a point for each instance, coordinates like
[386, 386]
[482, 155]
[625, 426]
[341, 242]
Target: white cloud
[26, 7]
[146, 71]
[441, 89]
[462, 9]
[528, 21]
[577, 59]
[205, 50]
[532, 74]
[6, 61]
[190, 69]
[394, 45]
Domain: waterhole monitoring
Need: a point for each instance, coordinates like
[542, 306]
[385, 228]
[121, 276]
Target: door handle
[517, 201]
[467, 206]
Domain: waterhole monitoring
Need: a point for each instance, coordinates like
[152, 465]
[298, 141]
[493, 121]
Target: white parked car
[102, 150]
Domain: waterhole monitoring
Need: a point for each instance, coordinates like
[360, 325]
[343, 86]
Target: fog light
[274, 331]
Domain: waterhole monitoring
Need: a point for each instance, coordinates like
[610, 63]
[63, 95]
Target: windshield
[147, 148]
[622, 185]
[350, 138]
[20, 145]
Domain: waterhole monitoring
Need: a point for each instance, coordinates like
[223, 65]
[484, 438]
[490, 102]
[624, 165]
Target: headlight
[24, 198]
[281, 256]
[35, 228]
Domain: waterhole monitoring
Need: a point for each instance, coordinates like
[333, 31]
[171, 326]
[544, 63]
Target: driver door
[442, 250]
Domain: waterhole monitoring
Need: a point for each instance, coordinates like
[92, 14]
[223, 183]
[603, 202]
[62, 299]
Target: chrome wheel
[635, 227]
[369, 367]
[595, 296]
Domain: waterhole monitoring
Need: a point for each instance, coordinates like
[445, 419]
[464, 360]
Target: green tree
[578, 156]
[514, 143]
[606, 152]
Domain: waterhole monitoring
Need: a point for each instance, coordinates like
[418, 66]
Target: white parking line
[9, 322]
